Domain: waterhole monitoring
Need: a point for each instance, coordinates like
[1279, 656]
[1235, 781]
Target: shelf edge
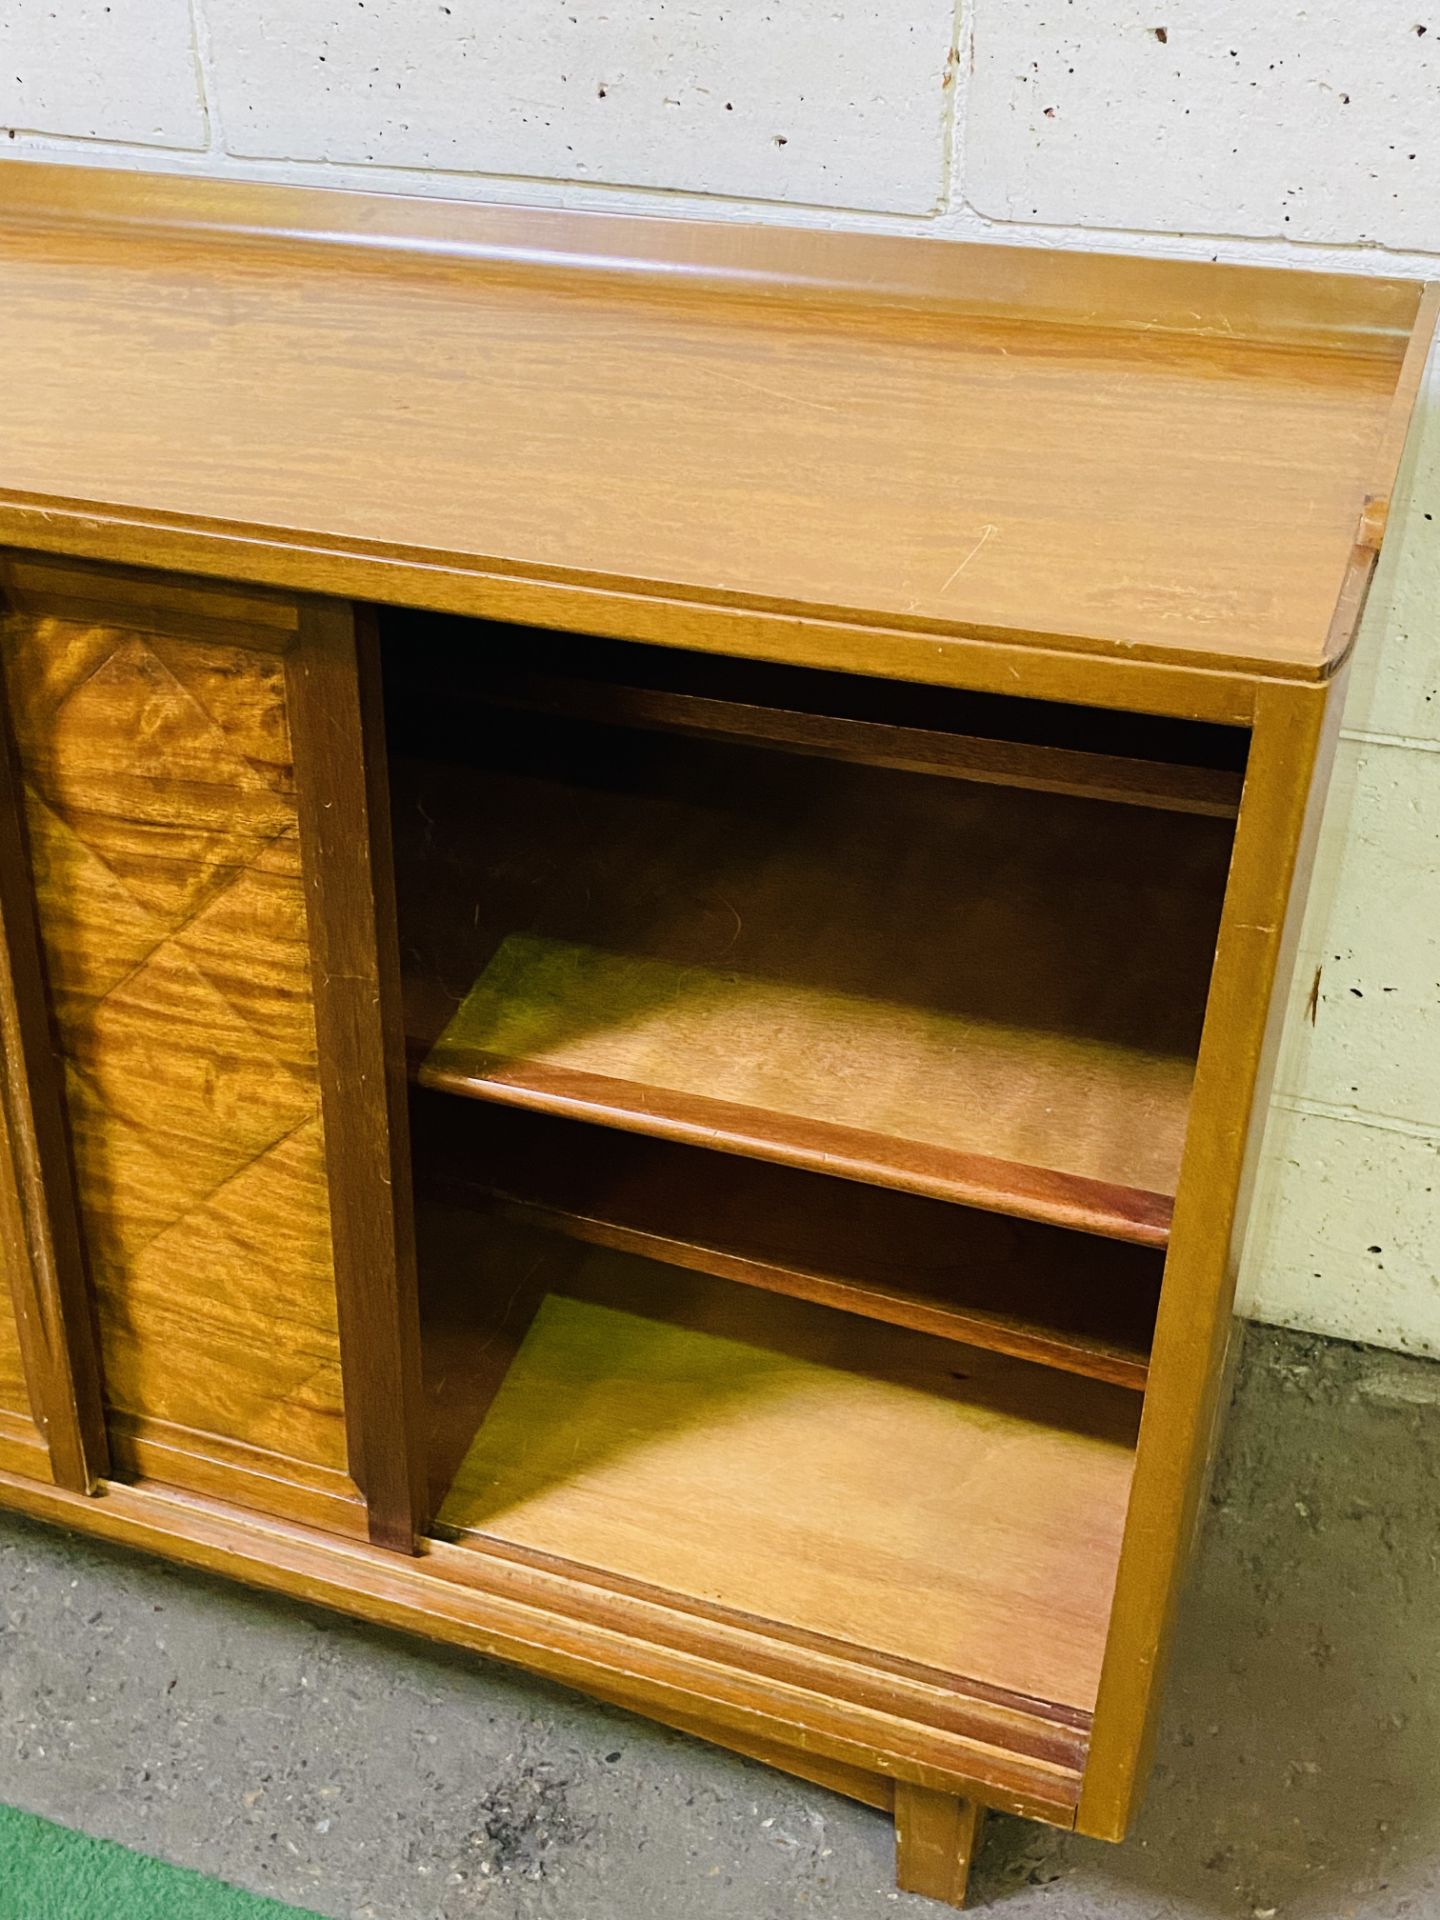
[1113, 1366]
[1075, 1201]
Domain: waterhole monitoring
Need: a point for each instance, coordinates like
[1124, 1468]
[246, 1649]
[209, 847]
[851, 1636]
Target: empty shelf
[1070, 1301]
[1037, 765]
[919, 983]
[762, 1458]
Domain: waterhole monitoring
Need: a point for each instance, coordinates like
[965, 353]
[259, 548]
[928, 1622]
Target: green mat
[50, 1873]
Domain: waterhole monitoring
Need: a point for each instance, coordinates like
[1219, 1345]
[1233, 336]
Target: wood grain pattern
[159, 793]
[751, 1451]
[13, 1395]
[936, 1838]
[959, 461]
[1127, 1213]
[22, 1448]
[452, 584]
[1071, 1301]
[1092, 291]
[916, 982]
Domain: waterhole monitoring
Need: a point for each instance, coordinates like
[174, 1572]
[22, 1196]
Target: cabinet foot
[936, 1838]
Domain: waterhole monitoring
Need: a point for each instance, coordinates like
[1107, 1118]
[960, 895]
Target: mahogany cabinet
[646, 876]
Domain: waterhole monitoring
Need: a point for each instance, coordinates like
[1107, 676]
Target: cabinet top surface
[1158, 460]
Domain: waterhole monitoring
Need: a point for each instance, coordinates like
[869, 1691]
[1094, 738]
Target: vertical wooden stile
[1293, 741]
[332, 677]
[39, 1222]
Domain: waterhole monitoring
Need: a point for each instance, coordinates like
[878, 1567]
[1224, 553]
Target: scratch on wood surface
[775, 393]
[987, 532]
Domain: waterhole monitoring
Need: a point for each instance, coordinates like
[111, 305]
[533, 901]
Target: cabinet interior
[800, 1071]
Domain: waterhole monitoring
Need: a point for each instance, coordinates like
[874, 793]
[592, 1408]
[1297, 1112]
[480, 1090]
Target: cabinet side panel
[159, 793]
[1290, 752]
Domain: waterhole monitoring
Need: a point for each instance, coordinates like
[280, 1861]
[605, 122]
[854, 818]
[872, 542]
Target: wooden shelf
[759, 1458]
[1013, 1287]
[923, 984]
[1041, 767]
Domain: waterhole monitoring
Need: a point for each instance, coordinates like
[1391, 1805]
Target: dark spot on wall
[1162, 34]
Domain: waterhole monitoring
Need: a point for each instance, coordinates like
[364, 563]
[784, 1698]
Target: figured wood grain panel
[160, 799]
[14, 1398]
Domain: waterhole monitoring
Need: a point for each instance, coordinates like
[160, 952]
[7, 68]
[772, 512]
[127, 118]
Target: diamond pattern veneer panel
[160, 796]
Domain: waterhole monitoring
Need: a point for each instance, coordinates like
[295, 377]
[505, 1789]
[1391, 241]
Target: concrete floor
[358, 1774]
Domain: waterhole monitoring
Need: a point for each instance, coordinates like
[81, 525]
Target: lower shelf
[1013, 1286]
[946, 1513]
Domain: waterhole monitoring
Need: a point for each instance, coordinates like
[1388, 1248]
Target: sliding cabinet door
[243, 1228]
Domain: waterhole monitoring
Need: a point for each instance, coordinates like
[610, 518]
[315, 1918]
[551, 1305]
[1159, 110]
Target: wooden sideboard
[647, 876]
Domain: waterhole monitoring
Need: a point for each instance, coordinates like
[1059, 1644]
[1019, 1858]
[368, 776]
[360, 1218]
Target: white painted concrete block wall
[1290, 133]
